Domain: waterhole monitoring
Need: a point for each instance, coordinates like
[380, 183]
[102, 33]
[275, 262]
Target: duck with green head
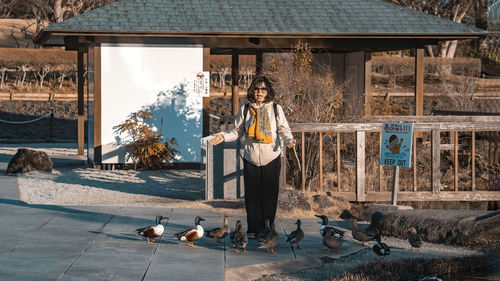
[192, 234]
[152, 232]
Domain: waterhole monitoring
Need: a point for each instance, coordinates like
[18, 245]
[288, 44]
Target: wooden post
[435, 158]
[258, 63]
[455, 160]
[320, 161]
[338, 162]
[419, 85]
[360, 166]
[234, 77]
[302, 156]
[419, 82]
[473, 160]
[380, 167]
[368, 82]
[414, 162]
[97, 105]
[206, 100]
[395, 187]
[81, 113]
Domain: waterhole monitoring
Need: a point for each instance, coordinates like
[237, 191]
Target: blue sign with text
[396, 145]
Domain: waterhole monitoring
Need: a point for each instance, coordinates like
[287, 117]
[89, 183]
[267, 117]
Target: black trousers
[261, 193]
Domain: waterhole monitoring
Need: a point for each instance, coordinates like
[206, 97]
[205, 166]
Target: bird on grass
[381, 249]
[269, 241]
[192, 234]
[361, 235]
[324, 226]
[333, 240]
[414, 238]
[296, 236]
[220, 232]
[152, 232]
[239, 239]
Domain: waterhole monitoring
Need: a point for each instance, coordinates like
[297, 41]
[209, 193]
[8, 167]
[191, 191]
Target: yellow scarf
[260, 125]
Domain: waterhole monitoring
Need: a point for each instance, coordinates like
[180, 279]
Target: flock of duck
[332, 237]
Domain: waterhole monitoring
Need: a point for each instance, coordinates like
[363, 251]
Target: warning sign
[396, 145]
[201, 84]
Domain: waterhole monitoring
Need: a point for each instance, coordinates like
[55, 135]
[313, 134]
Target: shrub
[307, 95]
[146, 148]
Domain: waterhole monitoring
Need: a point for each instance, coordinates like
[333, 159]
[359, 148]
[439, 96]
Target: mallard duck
[414, 238]
[270, 241]
[192, 234]
[264, 233]
[239, 240]
[360, 235]
[332, 240]
[296, 236]
[220, 232]
[152, 231]
[324, 226]
[381, 249]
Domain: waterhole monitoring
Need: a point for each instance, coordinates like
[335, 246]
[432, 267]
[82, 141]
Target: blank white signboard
[158, 79]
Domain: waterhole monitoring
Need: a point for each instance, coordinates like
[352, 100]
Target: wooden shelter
[349, 30]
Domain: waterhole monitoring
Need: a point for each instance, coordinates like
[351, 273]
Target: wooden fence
[434, 125]
[41, 96]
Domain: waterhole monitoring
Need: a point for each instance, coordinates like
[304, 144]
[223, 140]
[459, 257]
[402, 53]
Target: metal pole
[395, 187]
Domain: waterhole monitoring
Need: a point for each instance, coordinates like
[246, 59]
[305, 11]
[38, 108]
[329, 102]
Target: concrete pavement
[48, 242]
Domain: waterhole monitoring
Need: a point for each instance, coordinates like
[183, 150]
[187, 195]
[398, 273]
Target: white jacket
[259, 154]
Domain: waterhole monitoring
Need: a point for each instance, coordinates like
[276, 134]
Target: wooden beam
[419, 82]
[360, 166]
[368, 82]
[425, 196]
[234, 80]
[80, 88]
[206, 100]
[435, 159]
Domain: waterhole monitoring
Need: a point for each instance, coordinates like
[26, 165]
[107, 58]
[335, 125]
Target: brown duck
[220, 232]
[239, 239]
[414, 238]
[270, 241]
[361, 235]
[296, 236]
[332, 240]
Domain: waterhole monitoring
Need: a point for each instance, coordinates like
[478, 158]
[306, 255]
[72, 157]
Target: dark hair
[258, 79]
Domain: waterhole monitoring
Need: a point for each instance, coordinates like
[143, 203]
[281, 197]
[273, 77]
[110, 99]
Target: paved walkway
[47, 242]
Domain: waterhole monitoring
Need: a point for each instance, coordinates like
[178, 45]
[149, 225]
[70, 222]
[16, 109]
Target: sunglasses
[263, 89]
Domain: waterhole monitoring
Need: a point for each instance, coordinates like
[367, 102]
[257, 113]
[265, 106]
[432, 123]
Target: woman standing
[259, 126]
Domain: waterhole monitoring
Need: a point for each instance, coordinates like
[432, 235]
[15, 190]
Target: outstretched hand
[291, 143]
[216, 140]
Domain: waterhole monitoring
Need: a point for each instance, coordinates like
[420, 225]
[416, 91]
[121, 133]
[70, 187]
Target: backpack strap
[275, 106]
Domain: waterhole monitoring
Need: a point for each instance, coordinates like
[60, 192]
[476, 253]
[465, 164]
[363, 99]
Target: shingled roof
[261, 17]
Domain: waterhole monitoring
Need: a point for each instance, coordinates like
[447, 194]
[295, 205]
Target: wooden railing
[434, 125]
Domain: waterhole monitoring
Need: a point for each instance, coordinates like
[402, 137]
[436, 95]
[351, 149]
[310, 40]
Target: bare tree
[461, 11]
